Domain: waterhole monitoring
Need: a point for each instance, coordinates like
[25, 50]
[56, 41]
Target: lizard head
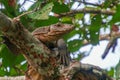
[52, 32]
[61, 29]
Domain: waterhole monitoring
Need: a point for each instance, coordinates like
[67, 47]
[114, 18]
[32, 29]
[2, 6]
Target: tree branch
[103, 37]
[13, 78]
[30, 47]
[80, 71]
[87, 10]
[88, 3]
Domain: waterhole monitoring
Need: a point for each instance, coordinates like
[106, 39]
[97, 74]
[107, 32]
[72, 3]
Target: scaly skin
[53, 32]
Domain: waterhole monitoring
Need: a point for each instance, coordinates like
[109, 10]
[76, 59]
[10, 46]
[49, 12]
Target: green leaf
[84, 33]
[66, 20]
[74, 45]
[8, 57]
[51, 20]
[107, 3]
[12, 72]
[43, 13]
[111, 72]
[60, 8]
[116, 16]
[10, 11]
[79, 16]
[2, 71]
[24, 67]
[9, 60]
[19, 59]
[35, 5]
[117, 69]
[70, 35]
[94, 29]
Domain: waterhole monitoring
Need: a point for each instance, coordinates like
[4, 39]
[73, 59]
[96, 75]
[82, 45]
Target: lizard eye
[58, 25]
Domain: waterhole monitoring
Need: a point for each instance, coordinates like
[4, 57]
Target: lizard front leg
[64, 55]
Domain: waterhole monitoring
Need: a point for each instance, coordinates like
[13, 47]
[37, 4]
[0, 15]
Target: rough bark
[28, 45]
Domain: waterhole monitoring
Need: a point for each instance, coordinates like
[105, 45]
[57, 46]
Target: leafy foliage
[94, 29]
[51, 20]
[10, 62]
[60, 8]
[76, 44]
[116, 16]
[43, 13]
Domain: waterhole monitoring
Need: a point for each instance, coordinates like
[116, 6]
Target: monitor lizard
[51, 37]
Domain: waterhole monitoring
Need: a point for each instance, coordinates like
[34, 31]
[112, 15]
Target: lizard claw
[64, 59]
[64, 56]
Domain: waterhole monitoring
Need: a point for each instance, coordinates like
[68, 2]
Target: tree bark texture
[28, 45]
